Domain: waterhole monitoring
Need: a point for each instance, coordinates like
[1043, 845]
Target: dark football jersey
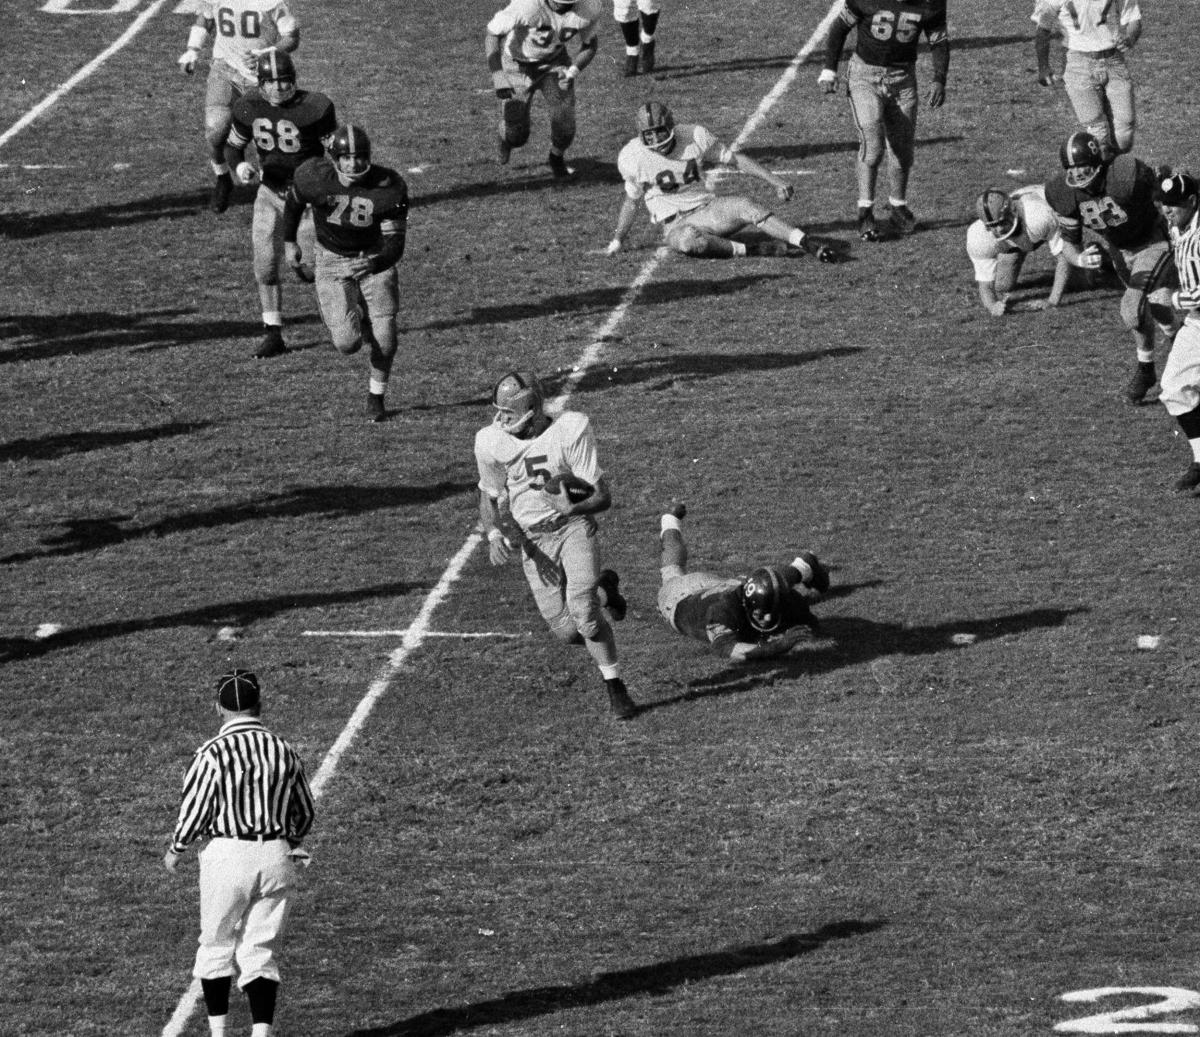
[284, 135]
[889, 30]
[716, 616]
[350, 218]
[1119, 206]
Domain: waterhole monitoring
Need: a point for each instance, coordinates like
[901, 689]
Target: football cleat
[375, 409]
[614, 603]
[867, 228]
[221, 193]
[619, 702]
[676, 508]
[1141, 383]
[648, 57]
[903, 219]
[1190, 479]
[271, 345]
[631, 66]
[656, 127]
[1082, 158]
[350, 150]
[559, 167]
[813, 573]
[503, 151]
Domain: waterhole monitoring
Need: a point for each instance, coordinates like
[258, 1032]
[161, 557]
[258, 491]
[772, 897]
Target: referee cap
[1176, 189]
[238, 690]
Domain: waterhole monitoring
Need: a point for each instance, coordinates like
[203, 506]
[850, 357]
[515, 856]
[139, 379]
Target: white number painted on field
[114, 7]
[1170, 1000]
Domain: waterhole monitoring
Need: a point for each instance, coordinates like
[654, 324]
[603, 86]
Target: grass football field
[969, 808]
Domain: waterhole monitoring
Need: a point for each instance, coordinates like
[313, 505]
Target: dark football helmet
[276, 76]
[764, 596]
[1082, 158]
[518, 399]
[656, 127]
[350, 149]
[995, 208]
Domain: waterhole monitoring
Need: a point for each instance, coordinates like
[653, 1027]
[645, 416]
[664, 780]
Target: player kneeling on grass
[664, 166]
[360, 211]
[540, 486]
[741, 617]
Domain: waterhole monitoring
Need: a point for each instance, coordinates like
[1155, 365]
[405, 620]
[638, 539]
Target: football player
[1115, 201]
[522, 503]
[664, 166]
[1179, 196]
[740, 617]
[526, 50]
[1097, 33]
[288, 126]
[638, 20]
[360, 212]
[243, 30]
[883, 92]
[1008, 228]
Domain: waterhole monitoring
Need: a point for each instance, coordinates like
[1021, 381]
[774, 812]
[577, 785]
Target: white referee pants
[1180, 379]
[244, 897]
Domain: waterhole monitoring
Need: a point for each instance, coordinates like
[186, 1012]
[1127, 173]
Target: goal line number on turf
[1123, 1020]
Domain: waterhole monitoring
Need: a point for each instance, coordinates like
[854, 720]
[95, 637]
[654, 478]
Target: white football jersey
[1039, 225]
[1087, 25]
[675, 183]
[244, 26]
[537, 34]
[518, 468]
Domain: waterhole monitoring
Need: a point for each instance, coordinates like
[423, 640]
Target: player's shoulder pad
[572, 424]
[1061, 198]
[311, 176]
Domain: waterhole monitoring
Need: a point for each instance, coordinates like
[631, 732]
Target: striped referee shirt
[243, 783]
[1186, 245]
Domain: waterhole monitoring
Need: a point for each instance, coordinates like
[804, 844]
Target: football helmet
[1082, 158]
[764, 596]
[350, 150]
[656, 127]
[276, 73]
[517, 398]
[995, 208]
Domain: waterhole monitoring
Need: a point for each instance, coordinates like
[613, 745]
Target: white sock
[216, 1025]
[669, 522]
[273, 317]
[1145, 356]
[895, 203]
[803, 568]
[611, 673]
[866, 203]
[220, 168]
[645, 38]
[1195, 445]
[796, 238]
[632, 52]
[739, 248]
[260, 1030]
[376, 387]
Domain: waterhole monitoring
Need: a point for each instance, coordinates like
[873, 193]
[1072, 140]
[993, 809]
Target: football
[577, 489]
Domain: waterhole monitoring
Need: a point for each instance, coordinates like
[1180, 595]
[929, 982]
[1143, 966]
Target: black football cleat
[647, 58]
[1141, 383]
[676, 508]
[615, 604]
[868, 230]
[631, 66]
[375, 409]
[559, 167]
[903, 219]
[619, 702]
[503, 151]
[221, 193]
[271, 345]
[1190, 479]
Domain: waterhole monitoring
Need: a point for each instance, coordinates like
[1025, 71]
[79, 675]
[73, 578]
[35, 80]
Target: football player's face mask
[279, 91]
[656, 127]
[998, 214]
[351, 153]
[764, 594]
[518, 402]
[276, 76]
[1082, 159]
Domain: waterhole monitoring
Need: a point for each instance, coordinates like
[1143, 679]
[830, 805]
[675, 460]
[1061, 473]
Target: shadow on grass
[227, 613]
[48, 448]
[856, 641]
[330, 502]
[657, 979]
[799, 152]
[104, 217]
[521, 179]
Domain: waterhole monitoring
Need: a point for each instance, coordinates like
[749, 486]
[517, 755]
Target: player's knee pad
[347, 340]
[688, 240]
[564, 628]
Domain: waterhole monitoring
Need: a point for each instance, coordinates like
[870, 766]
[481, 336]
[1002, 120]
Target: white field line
[419, 631]
[55, 95]
[400, 633]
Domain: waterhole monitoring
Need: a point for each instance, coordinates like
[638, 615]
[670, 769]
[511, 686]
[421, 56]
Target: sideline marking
[55, 95]
[401, 633]
[419, 631]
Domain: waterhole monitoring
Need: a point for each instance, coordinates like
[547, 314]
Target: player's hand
[500, 549]
[827, 81]
[170, 860]
[300, 857]
[1091, 258]
[187, 61]
[564, 79]
[559, 501]
[246, 173]
[293, 255]
[360, 266]
[937, 95]
[614, 247]
[784, 192]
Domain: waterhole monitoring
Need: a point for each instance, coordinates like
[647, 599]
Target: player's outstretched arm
[783, 190]
[625, 220]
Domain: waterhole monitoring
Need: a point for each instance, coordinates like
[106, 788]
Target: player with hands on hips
[288, 126]
[882, 83]
[360, 213]
[743, 618]
[242, 31]
[1009, 227]
[665, 166]
[526, 52]
[540, 488]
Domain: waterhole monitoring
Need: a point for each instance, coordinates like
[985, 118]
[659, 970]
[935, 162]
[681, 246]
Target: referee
[1179, 196]
[246, 793]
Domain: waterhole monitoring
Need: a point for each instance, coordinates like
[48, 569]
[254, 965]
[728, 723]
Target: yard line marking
[416, 634]
[401, 633]
[55, 95]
